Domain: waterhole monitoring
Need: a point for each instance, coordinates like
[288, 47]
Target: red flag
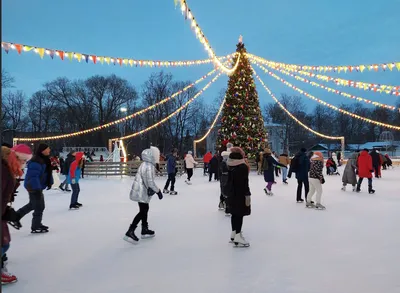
[18, 47]
[61, 54]
[94, 58]
[120, 61]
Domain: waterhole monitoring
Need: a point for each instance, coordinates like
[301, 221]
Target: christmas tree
[242, 123]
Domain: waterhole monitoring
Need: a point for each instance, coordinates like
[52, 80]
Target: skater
[143, 188]
[224, 183]
[83, 167]
[339, 158]
[277, 169]
[316, 181]
[73, 178]
[238, 194]
[38, 177]
[331, 167]
[213, 168]
[300, 165]
[284, 160]
[68, 161]
[269, 164]
[389, 162]
[12, 162]
[55, 164]
[349, 173]
[206, 160]
[376, 163]
[365, 170]
[171, 170]
[190, 164]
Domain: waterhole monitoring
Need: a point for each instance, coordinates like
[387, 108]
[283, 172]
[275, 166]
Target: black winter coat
[68, 161]
[239, 180]
[224, 173]
[376, 160]
[268, 165]
[303, 167]
[213, 167]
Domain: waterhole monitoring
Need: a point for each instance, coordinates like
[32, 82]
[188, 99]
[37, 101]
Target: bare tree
[14, 105]
[7, 81]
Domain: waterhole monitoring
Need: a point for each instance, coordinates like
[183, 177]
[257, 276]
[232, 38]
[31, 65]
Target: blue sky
[314, 32]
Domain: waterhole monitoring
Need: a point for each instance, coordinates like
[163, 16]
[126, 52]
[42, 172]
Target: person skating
[12, 162]
[190, 164]
[171, 170]
[143, 188]
[284, 160]
[365, 170]
[224, 183]
[206, 160]
[68, 161]
[376, 163]
[55, 164]
[269, 165]
[213, 168]
[74, 175]
[238, 195]
[349, 173]
[316, 181]
[300, 165]
[38, 178]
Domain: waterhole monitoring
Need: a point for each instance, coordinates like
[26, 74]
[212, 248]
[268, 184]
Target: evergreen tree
[242, 122]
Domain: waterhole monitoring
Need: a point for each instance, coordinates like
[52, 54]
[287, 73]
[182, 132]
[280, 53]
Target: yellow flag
[398, 66]
[101, 60]
[27, 48]
[383, 87]
[340, 68]
[131, 62]
[362, 68]
[126, 61]
[345, 69]
[107, 59]
[391, 66]
[41, 52]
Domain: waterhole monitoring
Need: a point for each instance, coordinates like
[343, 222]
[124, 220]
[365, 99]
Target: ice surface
[353, 246]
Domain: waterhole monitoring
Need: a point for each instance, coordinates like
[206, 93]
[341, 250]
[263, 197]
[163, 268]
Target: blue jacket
[303, 168]
[36, 175]
[171, 164]
[78, 173]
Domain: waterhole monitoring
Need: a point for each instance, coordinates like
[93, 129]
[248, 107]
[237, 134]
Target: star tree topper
[240, 39]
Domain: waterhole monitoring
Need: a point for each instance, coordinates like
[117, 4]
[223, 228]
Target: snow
[353, 246]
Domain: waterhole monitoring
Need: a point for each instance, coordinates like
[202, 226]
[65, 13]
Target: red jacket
[207, 158]
[364, 164]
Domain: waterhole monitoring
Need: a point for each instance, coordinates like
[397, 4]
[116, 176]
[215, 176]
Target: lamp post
[123, 110]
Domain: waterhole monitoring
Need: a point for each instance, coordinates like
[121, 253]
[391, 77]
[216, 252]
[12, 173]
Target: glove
[160, 195]
[73, 181]
[322, 181]
[248, 200]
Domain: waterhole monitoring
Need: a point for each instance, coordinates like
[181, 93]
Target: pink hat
[23, 151]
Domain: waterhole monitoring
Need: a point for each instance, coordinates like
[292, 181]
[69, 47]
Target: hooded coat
[39, 173]
[364, 164]
[74, 170]
[349, 173]
[145, 175]
[189, 161]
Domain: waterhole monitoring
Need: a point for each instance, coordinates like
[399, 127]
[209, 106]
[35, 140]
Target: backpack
[295, 163]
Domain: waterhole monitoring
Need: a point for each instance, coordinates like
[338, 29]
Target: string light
[119, 120]
[202, 38]
[360, 99]
[338, 69]
[327, 104]
[212, 125]
[121, 143]
[291, 115]
[173, 113]
[104, 59]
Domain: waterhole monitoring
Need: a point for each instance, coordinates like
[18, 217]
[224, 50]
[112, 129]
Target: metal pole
[343, 146]
[194, 149]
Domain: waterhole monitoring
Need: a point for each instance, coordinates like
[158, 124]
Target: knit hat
[267, 151]
[23, 152]
[236, 156]
[317, 156]
[41, 148]
[190, 152]
[237, 150]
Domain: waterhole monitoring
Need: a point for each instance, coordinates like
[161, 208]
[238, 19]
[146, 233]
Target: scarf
[235, 162]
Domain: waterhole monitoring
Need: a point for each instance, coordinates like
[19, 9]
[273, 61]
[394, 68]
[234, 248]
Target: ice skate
[285, 182]
[371, 191]
[344, 188]
[239, 241]
[6, 277]
[74, 207]
[319, 206]
[40, 229]
[354, 189]
[310, 205]
[188, 182]
[79, 204]
[165, 191]
[221, 205]
[130, 235]
[146, 233]
[233, 234]
[268, 192]
[172, 192]
[16, 224]
[300, 200]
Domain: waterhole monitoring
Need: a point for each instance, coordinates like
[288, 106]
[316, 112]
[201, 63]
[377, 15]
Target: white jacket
[190, 162]
[144, 178]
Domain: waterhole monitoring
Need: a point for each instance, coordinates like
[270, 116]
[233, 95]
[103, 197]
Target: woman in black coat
[268, 166]
[238, 194]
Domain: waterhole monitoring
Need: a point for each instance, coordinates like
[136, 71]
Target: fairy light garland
[338, 69]
[331, 90]
[119, 120]
[95, 59]
[212, 125]
[172, 114]
[291, 115]
[202, 38]
[325, 103]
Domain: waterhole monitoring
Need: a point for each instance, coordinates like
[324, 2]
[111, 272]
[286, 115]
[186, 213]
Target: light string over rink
[288, 84]
[172, 114]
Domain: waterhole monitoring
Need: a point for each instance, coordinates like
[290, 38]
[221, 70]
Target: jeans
[35, 204]
[142, 215]
[65, 182]
[315, 186]
[284, 174]
[4, 249]
[360, 180]
[75, 193]
[237, 223]
[205, 168]
[300, 187]
[269, 185]
[189, 173]
[171, 179]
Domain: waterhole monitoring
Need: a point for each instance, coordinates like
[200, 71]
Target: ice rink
[351, 247]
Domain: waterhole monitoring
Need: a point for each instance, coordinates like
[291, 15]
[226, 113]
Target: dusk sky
[340, 32]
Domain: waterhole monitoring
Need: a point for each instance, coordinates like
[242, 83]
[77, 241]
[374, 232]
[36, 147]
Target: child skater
[143, 189]
[268, 166]
[73, 177]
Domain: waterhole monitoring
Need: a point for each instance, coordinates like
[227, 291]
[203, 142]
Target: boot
[240, 241]
[146, 233]
[310, 205]
[130, 235]
[233, 234]
[319, 206]
[6, 277]
[172, 192]
[370, 190]
[354, 189]
[344, 188]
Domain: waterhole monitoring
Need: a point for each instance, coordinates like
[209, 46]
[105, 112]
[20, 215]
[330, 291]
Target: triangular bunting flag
[19, 48]
[41, 52]
[6, 47]
[78, 56]
[107, 59]
[131, 62]
[86, 57]
[61, 54]
[101, 59]
[391, 66]
[94, 58]
[362, 68]
[70, 55]
[52, 52]
[126, 62]
[28, 48]
[119, 61]
[398, 66]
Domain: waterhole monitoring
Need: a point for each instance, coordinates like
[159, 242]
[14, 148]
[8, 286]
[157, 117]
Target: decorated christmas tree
[242, 122]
